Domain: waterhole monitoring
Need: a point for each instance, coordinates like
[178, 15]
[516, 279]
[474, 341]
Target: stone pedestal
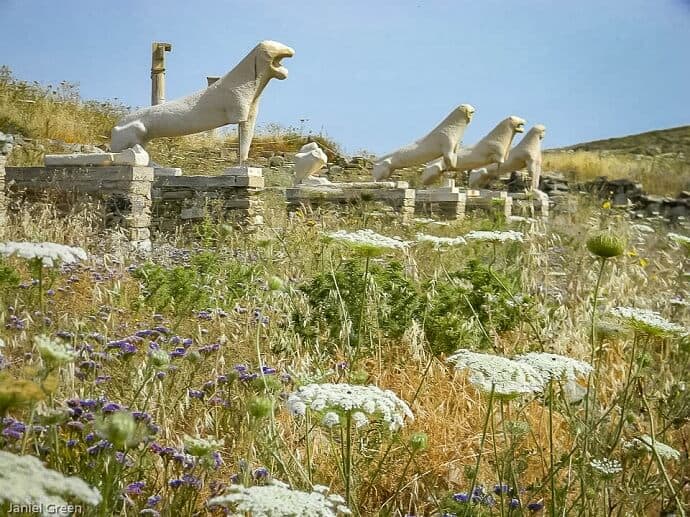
[122, 193]
[395, 195]
[3, 198]
[232, 196]
[530, 204]
[446, 202]
[490, 201]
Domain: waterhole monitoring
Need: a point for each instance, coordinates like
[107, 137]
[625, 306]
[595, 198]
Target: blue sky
[377, 74]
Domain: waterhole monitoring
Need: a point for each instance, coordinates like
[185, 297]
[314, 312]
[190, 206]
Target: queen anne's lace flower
[367, 240]
[276, 499]
[330, 419]
[504, 236]
[372, 401]
[507, 377]
[439, 242]
[54, 352]
[197, 446]
[556, 367]
[48, 252]
[645, 442]
[607, 467]
[647, 321]
[24, 480]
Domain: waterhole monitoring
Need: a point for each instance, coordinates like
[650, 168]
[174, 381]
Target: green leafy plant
[336, 299]
[469, 304]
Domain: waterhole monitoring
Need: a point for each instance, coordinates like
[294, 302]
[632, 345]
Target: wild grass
[661, 175]
[247, 293]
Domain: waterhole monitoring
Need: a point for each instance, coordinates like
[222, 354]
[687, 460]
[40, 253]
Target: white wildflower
[367, 241]
[507, 377]
[644, 442]
[607, 467]
[360, 419]
[199, 447]
[2, 343]
[330, 419]
[24, 480]
[54, 352]
[439, 242]
[48, 252]
[498, 236]
[648, 321]
[277, 499]
[340, 398]
[556, 367]
[679, 239]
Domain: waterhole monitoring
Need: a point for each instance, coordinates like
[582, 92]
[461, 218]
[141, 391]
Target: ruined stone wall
[179, 200]
[121, 193]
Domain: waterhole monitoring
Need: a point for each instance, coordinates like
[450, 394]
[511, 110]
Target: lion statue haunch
[442, 142]
[493, 148]
[525, 155]
[233, 99]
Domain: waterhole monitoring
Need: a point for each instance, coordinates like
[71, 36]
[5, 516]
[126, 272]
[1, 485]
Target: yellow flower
[644, 262]
[606, 205]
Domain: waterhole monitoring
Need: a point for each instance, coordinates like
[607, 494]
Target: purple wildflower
[536, 506]
[195, 394]
[135, 488]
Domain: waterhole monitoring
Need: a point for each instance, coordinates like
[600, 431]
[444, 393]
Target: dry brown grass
[665, 175]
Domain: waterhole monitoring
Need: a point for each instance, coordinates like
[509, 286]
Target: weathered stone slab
[395, 195]
[166, 171]
[135, 156]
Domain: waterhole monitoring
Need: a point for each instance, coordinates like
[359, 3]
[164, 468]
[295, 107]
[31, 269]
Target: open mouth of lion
[520, 128]
[279, 70]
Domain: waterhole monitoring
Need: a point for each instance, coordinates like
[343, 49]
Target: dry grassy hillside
[660, 160]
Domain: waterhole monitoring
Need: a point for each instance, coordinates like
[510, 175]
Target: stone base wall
[122, 193]
[446, 202]
[178, 200]
[3, 198]
[490, 201]
[395, 195]
[531, 204]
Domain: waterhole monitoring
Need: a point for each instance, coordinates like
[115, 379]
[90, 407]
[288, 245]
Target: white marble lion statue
[525, 155]
[441, 142]
[493, 148]
[233, 99]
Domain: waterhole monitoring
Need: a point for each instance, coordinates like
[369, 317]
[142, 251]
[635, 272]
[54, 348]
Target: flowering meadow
[331, 364]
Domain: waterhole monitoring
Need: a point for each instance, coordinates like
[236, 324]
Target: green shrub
[336, 299]
[209, 281]
[469, 305]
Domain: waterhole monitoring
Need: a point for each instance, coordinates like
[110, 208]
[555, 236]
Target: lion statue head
[517, 123]
[268, 56]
